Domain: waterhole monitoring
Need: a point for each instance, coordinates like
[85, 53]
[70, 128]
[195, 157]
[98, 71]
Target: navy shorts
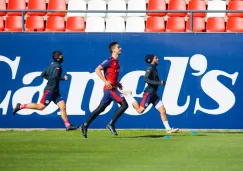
[149, 98]
[112, 94]
[49, 96]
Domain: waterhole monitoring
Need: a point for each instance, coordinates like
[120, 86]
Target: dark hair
[111, 46]
[56, 54]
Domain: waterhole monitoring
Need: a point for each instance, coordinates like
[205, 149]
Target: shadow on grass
[159, 136]
[225, 132]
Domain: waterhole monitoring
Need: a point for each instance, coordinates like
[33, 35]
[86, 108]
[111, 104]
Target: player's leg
[134, 102]
[105, 101]
[119, 98]
[62, 106]
[45, 100]
[160, 107]
[102, 106]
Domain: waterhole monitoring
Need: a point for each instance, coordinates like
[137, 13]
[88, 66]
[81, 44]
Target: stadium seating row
[121, 5]
[121, 22]
[117, 24]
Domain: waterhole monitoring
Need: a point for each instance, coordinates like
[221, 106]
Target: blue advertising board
[202, 72]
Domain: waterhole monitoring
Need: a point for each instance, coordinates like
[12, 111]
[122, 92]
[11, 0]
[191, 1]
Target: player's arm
[99, 70]
[44, 74]
[147, 77]
[57, 74]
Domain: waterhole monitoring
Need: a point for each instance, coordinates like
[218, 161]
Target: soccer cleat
[17, 108]
[112, 129]
[71, 128]
[126, 92]
[172, 130]
[83, 129]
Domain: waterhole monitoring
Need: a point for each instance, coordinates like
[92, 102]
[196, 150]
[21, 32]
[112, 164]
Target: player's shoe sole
[17, 108]
[112, 129]
[83, 129]
[71, 128]
[172, 130]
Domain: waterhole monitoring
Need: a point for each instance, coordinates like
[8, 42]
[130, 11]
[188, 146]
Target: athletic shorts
[49, 96]
[112, 94]
[149, 98]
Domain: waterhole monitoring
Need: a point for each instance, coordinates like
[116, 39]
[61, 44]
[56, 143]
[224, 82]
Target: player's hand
[163, 83]
[108, 84]
[66, 77]
[119, 85]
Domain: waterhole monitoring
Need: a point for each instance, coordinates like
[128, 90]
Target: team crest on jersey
[146, 104]
[47, 101]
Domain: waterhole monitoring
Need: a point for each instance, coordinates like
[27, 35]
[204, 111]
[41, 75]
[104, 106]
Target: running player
[111, 68]
[51, 92]
[150, 95]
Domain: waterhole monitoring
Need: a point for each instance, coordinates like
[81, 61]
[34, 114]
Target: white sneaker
[126, 92]
[172, 130]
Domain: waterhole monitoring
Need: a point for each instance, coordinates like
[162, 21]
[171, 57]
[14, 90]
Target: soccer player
[111, 68]
[150, 93]
[51, 92]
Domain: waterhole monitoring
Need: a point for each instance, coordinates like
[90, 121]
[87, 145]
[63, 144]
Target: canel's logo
[209, 84]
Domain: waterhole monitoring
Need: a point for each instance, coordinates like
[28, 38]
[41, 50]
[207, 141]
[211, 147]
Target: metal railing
[126, 11]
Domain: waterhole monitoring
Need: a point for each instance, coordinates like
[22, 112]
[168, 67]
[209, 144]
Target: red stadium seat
[34, 23]
[2, 7]
[55, 24]
[235, 5]
[197, 5]
[37, 5]
[198, 24]
[56, 5]
[16, 5]
[156, 5]
[215, 24]
[75, 24]
[175, 24]
[177, 5]
[234, 24]
[13, 24]
[155, 24]
[1, 24]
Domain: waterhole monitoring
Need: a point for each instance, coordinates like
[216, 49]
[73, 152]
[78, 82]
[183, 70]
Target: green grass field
[130, 151]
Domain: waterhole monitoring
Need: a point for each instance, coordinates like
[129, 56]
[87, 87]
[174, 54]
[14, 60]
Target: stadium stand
[16, 5]
[157, 5]
[56, 5]
[235, 5]
[2, 7]
[55, 24]
[13, 23]
[1, 24]
[75, 24]
[155, 24]
[123, 22]
[175, 24]
[234, 24]
[198, 24]
[35, 23]
[115, 24]
[215, 24]
[37, 5]
[76, 5]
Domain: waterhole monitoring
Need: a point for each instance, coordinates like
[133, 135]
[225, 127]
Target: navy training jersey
[53, 74]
